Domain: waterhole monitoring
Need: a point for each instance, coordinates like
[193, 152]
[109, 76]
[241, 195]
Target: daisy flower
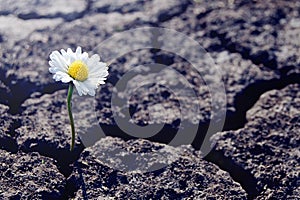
[79, 70]
[85, 72]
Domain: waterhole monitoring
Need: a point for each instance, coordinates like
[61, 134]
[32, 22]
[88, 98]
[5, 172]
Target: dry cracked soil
[250, 49]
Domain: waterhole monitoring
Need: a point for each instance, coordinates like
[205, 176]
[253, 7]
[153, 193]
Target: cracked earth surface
[255, 44]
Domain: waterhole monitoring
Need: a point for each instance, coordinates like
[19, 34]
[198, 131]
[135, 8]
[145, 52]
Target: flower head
[86, 73]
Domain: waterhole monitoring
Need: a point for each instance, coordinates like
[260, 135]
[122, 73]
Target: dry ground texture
[256, 46]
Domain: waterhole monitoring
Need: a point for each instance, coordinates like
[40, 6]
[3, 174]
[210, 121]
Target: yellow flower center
[78, 70]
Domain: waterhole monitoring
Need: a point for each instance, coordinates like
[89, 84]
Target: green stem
[70, 92]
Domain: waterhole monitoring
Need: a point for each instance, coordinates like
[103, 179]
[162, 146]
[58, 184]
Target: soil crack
[66, 17]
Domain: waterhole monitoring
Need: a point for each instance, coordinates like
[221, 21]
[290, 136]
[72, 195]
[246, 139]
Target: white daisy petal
[78, 53]
[66, 56]
[101, 83]
[63, 53]
[92, 92]
[98, 66]
[95, 57]
[69, 51]
[71, 55]
[58, 76]
[90, 87]
[102, 64]
[66, 79]
[78, 88]
[84, 57]
[58, 62]
[81, 89]
[85, 72]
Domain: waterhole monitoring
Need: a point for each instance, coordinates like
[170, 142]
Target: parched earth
[224, 75]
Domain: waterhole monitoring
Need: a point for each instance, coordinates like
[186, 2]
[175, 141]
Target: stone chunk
[268, 145]
[7, 133]
[264, 32]
[13, 29]
[180, 174]
[29, 176]
[43, 9]
[44, 121]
